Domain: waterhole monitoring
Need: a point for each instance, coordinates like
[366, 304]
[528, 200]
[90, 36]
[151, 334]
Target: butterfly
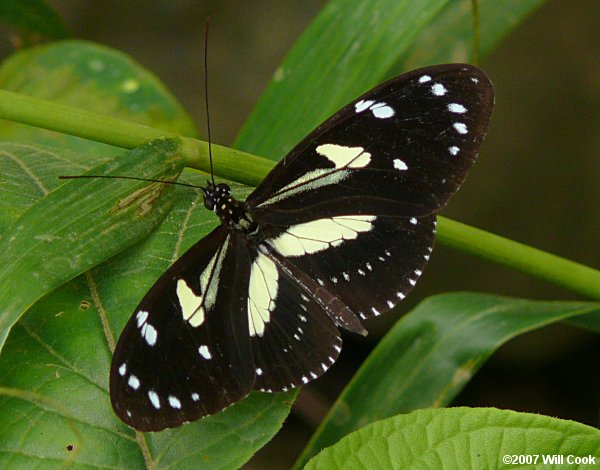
[338, 232]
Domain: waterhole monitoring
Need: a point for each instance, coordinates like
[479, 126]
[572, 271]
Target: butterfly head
[216, 195]
[218, 198]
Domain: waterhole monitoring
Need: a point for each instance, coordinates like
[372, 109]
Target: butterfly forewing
[354, 203]
[402, 149]
[338, 232]
[185, 352]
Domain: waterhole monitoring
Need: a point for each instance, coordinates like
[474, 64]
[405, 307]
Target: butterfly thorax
[232, 212]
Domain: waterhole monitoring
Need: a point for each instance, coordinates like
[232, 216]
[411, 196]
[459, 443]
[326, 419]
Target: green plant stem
[231, 164]
[249, 169]
[526, 259]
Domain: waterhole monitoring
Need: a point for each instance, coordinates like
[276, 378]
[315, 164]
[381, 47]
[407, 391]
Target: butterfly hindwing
[185, 352]
[369, 262]
[401, 149]
[293, 339]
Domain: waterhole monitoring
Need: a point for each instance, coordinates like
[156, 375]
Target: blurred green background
[537, 179]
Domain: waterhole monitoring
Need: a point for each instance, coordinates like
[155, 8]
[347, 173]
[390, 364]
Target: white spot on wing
[195, 397]
[318, 235]
[149, 333]
[362, 105]
[424, 79]
[190, 303]
[204, 352]
[174, 402]
[141, 318]
[438, 89]
[259, 371]
[262, 292]
[308, 182]
[413, 221]
[194, 307]
[133, 382]
[154, 399]
[453, 150]
[457, 108]
[345, 157]
[123, 369]
[210, 275]
[400, 165]
[382, 111]
[460, 127]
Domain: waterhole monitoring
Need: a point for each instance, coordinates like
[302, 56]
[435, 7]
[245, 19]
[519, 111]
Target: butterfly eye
[209, 201]
[223, 189]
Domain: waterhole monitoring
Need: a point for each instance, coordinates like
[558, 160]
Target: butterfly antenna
[476, 31]
[73, 177]
[212, 175]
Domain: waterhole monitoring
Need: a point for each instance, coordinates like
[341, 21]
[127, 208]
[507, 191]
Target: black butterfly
[338, 232]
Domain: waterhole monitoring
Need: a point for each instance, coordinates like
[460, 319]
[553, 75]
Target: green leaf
[427, 358]
[34, 16]
[62, 347]
[94, 78]
[30, 172]
[589, 322]
[347, 49]
[82, 223]
[450, 37]
[353, 45]
[62, 350]
[66, 361]
[460, 438]
[97, 78]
